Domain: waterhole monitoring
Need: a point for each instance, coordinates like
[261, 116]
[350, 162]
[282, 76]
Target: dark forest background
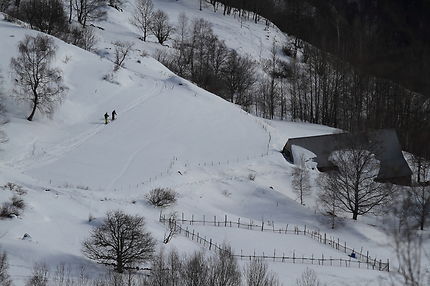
[371, 65]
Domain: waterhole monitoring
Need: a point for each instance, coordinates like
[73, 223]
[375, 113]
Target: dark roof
[387, 149]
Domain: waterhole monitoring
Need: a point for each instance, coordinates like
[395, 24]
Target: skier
[113, 115]
[106, 118]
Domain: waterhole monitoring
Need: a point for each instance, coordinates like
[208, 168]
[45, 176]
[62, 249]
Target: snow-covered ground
[169, 133]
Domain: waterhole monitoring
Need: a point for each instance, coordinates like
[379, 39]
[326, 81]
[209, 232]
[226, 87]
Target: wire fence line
[356, 258]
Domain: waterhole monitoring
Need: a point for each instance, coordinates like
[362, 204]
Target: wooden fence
[361, 260]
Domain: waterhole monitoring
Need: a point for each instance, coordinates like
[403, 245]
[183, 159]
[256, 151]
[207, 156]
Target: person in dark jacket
[106, 118]
[113, 115]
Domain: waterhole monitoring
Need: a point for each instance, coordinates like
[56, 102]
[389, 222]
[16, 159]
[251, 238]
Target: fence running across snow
[360, 261]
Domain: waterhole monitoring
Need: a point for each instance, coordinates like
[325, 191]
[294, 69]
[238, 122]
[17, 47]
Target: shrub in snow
[120, 241]
[257, 273]
[161, 197]
[122, 49]
[18, 202]
[4, 266]
[251, 176]
[308, 278]
[8, 210]
[14, 188]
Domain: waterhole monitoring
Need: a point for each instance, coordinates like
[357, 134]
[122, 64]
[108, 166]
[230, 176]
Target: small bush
[161, 197]
[8, 210]
[14, 188]
[18, 202]
[251, 176]
[308, 278]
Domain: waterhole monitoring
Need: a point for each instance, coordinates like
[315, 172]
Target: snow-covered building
[384, 144]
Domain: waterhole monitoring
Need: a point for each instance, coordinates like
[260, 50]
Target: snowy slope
[169, 133]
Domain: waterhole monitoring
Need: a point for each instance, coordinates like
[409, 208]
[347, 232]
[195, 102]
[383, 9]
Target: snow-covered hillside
[169, 133]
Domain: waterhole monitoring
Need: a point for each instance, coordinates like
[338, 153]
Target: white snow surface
[169, 133]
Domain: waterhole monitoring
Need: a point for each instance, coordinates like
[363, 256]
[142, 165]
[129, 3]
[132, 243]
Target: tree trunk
[70, 11]
[354, 215]
[30, 118]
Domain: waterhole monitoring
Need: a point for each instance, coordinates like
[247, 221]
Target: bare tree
[174, 266]
[40, 276]
[36, 81]
[120, 241]
[161, 27]
[224, 269]
[195, 270]
[180, 43]
[327, 200]
[142, 16]
[410, 251]
[89, 10]
[4, 266]
[172, 229]
[271, 67]
[238, 76]
[308, 278]
[257, 274]
[354, 181]
[419, 191]
[301, 183]
[122, 49]
[159, 268]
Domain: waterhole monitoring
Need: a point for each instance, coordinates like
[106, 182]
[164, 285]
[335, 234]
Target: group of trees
[49, 16]
[201, 57]
[365, 64]
[325, 90]
[147, 20]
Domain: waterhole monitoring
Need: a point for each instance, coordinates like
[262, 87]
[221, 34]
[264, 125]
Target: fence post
[338, 243]
[204, 220]
[192, 238]
[182, 217]
[225, 221]
[273, 226]
[210, 243]
[325, 238]
[192, 220]
[286, 229]
[294, 257]
[345, 246]
[304, 231]
[367, 257]
[388, 265]
[238, 223]
[262, 225]
[214, 220]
